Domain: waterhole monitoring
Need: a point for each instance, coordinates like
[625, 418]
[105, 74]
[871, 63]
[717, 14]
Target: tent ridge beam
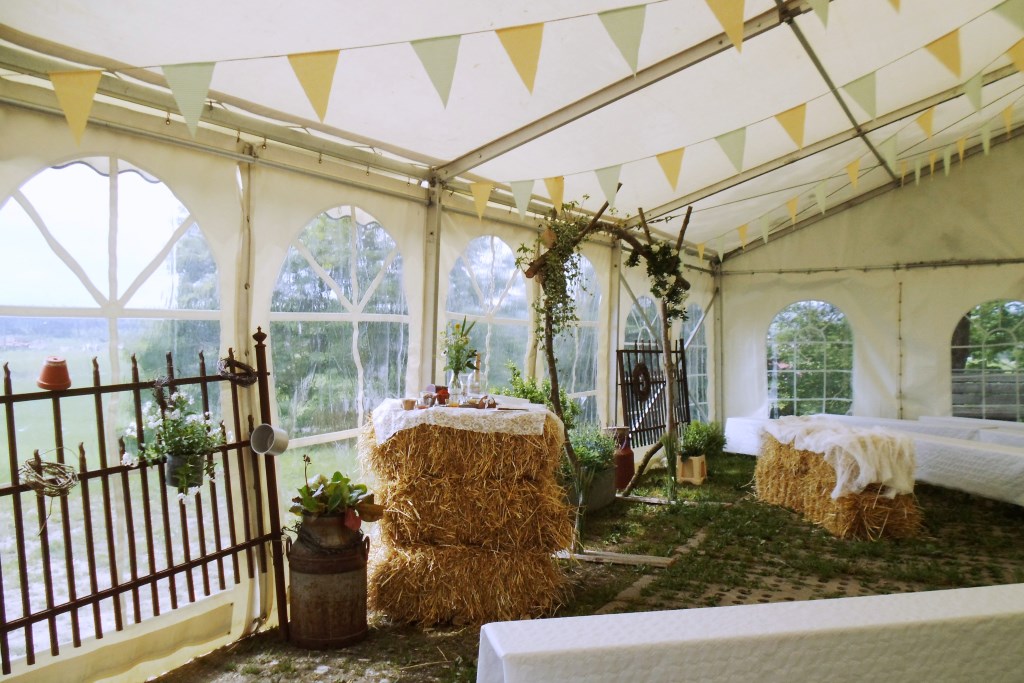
[790, 20]
[821, 145]
[616, 91]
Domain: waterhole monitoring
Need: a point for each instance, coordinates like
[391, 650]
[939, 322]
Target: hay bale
[803, 482]
[437, 451]
[433, 585]
[507, 514]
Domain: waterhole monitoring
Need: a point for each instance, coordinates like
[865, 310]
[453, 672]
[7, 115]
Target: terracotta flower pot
[54, 375]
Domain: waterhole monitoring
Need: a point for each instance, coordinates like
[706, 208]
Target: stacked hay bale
[470, 526]
[803, 482]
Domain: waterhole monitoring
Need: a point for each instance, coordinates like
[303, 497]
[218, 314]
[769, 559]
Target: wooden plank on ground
[666, 501]
[655, 561]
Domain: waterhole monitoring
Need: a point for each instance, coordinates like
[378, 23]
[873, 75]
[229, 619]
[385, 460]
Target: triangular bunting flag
[730, 15]
[556, 191]
[820, 8]
[925, 121]
[820, 196]
[903, 170]
[609, 180]
[75, 91]
[986, 137]
[917, 171]
[896, 4]
[522, 44]
[1014, 11]
[862, 91]
[189, 84]
[947, 50]
[522, 190]
[1008, 120]
[626, 26]
[700, 251]
[947, 160]
[733, 145]
[1016, 55]
[762, 226]
[720, 247]
[315, 71]
[889, 152]
[792, 120]
[972, 88]
[671, 162]
[439, 56]
[742, 230]
[932, 158]
[853, 170]
[481, 193]
[961, 147]
[792, 205]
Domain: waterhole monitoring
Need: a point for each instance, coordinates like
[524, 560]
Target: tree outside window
[810, 360]
[987, 351]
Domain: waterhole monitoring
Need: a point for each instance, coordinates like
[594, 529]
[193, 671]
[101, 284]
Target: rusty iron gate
[120, 546]
[641, 380]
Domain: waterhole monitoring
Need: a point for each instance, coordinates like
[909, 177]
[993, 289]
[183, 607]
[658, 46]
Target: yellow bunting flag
[439, 57]
[1008, 120]
[961, 147]
[792, 205]
[730, 15]
[853, 170]
[1016, 55]
[625, 26]
[932, 157]
[742, 230]
[556, 191]
[315, 71]
[671, 162]
[925, 121]
[522, 44]
[481, 193]
[792, 120]
[700, 250]
[947, 50]
[896, 4]
[75, 91]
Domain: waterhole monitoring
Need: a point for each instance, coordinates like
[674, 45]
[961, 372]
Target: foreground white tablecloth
[967, 634]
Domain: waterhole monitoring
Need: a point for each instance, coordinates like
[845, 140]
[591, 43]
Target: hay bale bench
[473, 513]
[966, 634]
[855, 482]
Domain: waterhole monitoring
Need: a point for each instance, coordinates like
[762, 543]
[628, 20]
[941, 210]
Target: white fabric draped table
[967, 634]
[512, 416]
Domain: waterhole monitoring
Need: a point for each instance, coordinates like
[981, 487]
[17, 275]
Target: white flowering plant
[172, 428]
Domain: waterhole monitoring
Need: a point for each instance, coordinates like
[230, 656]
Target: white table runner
[527, 419]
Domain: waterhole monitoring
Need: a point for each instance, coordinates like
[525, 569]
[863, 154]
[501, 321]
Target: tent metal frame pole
[616, 91]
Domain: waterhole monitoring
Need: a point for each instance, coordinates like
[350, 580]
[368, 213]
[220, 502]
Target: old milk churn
[327, 569]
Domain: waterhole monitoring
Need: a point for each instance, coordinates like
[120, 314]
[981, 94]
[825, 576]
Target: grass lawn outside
[744, 552]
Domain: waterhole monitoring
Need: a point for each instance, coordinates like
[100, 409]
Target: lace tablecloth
[509, 418]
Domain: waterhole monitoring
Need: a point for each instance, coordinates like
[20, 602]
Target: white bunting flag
[189, 84]
[733, 144]
[863, 93]
[522, 190]
[625, 27]
[609, 179]
[439, 57]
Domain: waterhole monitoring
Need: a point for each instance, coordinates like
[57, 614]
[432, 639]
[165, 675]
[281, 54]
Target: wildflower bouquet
[459, 356]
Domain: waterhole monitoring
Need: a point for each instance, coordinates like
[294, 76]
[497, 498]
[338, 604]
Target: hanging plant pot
[184, 471]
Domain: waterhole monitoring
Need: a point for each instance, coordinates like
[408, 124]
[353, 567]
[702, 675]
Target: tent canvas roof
[588, 118]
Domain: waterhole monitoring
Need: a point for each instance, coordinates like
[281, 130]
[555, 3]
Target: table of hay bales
[473, 513]
[856, 482]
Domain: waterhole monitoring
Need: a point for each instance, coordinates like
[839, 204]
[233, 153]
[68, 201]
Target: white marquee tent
[865, 153]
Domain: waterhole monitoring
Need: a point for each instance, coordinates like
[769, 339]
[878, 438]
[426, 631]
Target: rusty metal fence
[121, 546]
[641, 380]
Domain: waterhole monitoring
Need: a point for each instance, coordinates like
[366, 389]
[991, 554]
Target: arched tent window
[696, 361]
[485, 286]
[340, 331]
[643, 324]
[102, 261]
[576, 348]
[988, 362]
[810, 360]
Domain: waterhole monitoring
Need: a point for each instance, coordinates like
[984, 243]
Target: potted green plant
[175, 433]
[538, 392]
[700, 441]
[595, 449]
[336, 497]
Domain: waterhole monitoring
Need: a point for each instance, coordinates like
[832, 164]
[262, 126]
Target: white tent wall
[902, 317]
